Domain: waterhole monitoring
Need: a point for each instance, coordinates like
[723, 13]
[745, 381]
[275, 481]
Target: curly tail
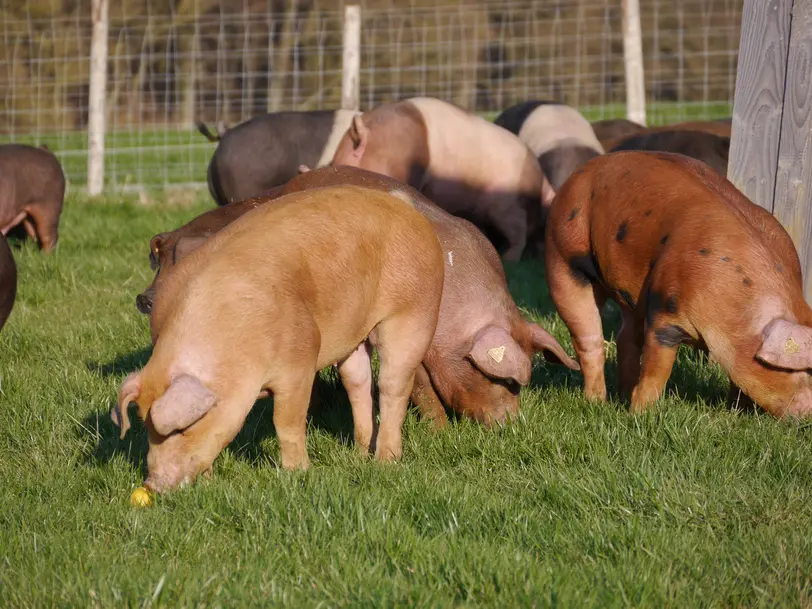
[201, 126]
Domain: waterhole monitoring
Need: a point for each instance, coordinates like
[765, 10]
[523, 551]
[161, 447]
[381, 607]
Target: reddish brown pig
[477, 314]
[689, 260]
[465, 164]
[167, 249]
[32, 190]
[8, 281]
[323, 274]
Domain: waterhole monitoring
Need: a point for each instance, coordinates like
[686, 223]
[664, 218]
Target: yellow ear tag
[791, 346]
[497, 354]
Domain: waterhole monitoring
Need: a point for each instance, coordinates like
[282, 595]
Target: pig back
[466, 149]
[346, 255]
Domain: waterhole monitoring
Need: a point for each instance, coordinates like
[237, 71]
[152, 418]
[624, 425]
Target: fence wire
[170, 63]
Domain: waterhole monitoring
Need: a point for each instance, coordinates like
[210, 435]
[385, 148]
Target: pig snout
[167, 472]
[144, 302]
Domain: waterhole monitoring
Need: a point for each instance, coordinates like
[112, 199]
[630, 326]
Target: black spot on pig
[621, 232]
[585, 269]
[704, 251]
[747, 282]
[627, 298]
[725, 258]
[664, 239]
[573, 213]
[648, 213]
[779, 267]
[671, 336]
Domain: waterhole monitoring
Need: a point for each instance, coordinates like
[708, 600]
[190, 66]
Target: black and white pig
[558, 135]
[266, 151]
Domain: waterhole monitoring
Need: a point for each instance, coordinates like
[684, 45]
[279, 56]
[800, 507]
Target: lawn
[571, 504]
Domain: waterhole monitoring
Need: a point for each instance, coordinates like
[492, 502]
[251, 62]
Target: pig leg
[629, 348]
[356, 376]
[17, 219]
[402, 342]
[511, 222]
[578, 302]
[424, 396]
[46, 224]
[658, 360]
[290, 405]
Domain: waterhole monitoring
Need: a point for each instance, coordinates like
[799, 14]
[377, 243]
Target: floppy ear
[553, 352]
[186, 245]
[184, 402]
[497, 355]
[359, 134]
[786, 345]
[129, 392]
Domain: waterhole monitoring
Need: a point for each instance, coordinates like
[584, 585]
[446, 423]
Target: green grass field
[572, 504]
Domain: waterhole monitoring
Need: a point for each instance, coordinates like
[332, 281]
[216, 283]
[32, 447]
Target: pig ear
[129, 392]
[184, 402]
[156, 242]
[497, 355]
[155, 245]
[553, 352]
[186, 245]
[359, 134]
[786, 345]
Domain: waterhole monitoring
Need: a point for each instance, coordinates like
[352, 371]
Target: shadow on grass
[692, 377]
[123, 364]
[329, 412]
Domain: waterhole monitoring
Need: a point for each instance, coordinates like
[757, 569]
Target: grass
[154, 158]
[571, 504]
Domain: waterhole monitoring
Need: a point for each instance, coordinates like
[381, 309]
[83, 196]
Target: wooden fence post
[633, 59]
[97, 98]
[771, 143]
[351, 59]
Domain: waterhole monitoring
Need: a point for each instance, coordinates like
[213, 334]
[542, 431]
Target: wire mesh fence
[170, 63]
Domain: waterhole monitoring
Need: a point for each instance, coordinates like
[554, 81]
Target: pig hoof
[291, 465]
[388, 455]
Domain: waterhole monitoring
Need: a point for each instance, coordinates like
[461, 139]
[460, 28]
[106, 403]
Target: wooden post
[351, 60]
[97, 98]
[633, 59]
[771, 143]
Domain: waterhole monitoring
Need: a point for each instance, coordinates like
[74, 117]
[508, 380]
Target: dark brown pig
[613, 129]
[465, 164]
[32, 190]
[266, 150]
[324, 275]
[689, 260]
[8, 281]
[713, 150]
[477, 314]
[719, 127]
